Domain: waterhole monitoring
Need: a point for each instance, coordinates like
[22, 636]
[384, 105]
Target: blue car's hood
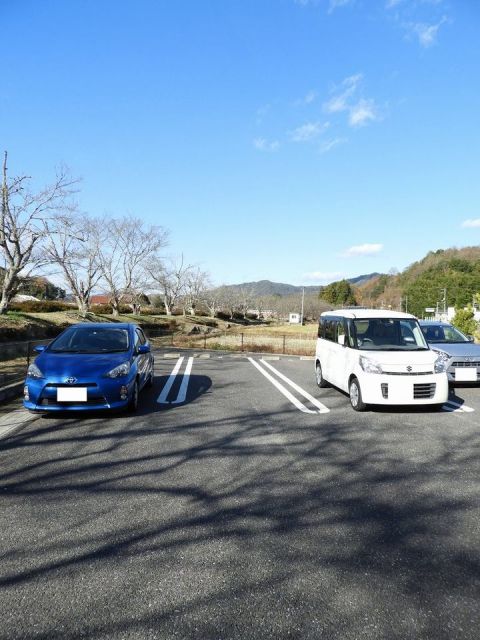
[79, 365]
[457, 349]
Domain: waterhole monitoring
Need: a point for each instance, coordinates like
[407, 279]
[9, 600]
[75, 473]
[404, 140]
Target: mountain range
[269, 288]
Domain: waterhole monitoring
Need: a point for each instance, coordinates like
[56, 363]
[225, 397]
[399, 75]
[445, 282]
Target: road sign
[430, 309]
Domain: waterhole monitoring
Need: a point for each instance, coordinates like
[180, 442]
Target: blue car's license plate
[78, 394]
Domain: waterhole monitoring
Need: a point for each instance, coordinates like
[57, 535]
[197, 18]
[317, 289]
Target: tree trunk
[3, 306]
[8, 289]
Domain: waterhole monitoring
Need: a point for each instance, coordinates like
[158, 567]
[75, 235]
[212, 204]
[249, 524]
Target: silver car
[461, 355]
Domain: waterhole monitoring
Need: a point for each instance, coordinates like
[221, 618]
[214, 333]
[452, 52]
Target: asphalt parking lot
[241, 501]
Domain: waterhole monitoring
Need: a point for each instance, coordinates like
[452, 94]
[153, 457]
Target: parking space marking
[162, 398]
[285, 391]
[316, 403]
[182, 392]
[461, 408]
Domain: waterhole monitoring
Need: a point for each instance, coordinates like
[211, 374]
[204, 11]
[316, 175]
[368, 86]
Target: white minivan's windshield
[389, 334]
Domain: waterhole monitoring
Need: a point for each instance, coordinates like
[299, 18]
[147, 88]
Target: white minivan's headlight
[442, 355]
[441, 363]
[370, 366]
[34, 372]
[122, 370]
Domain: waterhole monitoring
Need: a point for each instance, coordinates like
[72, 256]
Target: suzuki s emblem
[71, 380]
[409, 368]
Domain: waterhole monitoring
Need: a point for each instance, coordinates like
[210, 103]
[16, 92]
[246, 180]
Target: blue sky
[300, 141]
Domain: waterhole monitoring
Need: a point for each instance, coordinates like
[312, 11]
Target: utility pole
[444, 300]
[303, 300]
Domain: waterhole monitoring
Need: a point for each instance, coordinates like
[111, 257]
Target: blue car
[89, 367]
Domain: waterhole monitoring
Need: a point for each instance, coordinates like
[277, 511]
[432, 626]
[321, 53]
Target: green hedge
[39, 306]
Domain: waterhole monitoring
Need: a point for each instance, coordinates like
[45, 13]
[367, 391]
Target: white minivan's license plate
[77, 394]
[465, 374]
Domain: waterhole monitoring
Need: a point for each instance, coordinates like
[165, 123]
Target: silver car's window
[443, 333]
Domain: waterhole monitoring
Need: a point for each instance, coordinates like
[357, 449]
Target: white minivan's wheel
[356, 395]
[321, 382]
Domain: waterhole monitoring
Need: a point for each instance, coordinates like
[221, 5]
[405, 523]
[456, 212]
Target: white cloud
[362, 113]
[326, 146]
[262, 144]
[426, 33]
[345, 91]
[309, 131]
[322, 277]
[392, 3]
[367, 249]
[307, 99]
[262, 112]
[472, 223]
[335, 4]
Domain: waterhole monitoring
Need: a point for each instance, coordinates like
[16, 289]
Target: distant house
[24, 298]
[100, 299]
[294, 318]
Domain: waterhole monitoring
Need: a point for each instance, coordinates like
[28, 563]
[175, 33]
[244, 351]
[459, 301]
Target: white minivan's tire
[356, 395]
[321, 382]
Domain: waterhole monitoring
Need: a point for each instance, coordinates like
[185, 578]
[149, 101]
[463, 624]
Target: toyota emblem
[71, 380]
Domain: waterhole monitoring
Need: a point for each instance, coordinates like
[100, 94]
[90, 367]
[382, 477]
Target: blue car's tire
[133, 402]
[149, 382]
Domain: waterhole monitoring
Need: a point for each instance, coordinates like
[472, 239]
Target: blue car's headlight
[122, 370]
[34, 372]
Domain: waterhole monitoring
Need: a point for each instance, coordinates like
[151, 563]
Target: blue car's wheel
[149, 382]
[133, 403]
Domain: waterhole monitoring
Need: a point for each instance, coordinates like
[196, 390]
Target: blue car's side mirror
[143, 348]
[40, 347]
[470, 338]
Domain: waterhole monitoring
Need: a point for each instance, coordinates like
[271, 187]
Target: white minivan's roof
[360, 312]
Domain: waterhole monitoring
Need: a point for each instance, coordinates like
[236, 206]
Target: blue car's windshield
[91, 340]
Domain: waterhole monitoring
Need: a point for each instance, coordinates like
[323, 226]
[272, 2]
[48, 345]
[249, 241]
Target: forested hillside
[423, 283]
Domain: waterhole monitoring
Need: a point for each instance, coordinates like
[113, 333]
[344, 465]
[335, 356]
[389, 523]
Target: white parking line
[182, 392]
[162, 398]
[285, 391]
[321, 407]
[461, 408]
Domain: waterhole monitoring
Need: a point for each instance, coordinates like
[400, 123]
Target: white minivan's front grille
[422, 391]
[408, 373]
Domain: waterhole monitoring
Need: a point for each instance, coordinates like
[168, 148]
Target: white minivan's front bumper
[382, 388]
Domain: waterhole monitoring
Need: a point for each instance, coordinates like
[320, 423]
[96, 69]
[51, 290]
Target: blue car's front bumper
[104, 393]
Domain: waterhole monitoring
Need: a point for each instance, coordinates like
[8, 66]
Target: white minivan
[378, 357]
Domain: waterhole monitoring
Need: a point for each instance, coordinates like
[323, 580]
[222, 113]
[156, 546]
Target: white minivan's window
[388, 334]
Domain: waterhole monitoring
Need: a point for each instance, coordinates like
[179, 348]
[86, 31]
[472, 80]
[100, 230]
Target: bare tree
[245, 298]
[22, 213]
[196, 283]
[170, 278]
[229, 299]
[124, 255]
[213, 299]
[72, 243]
